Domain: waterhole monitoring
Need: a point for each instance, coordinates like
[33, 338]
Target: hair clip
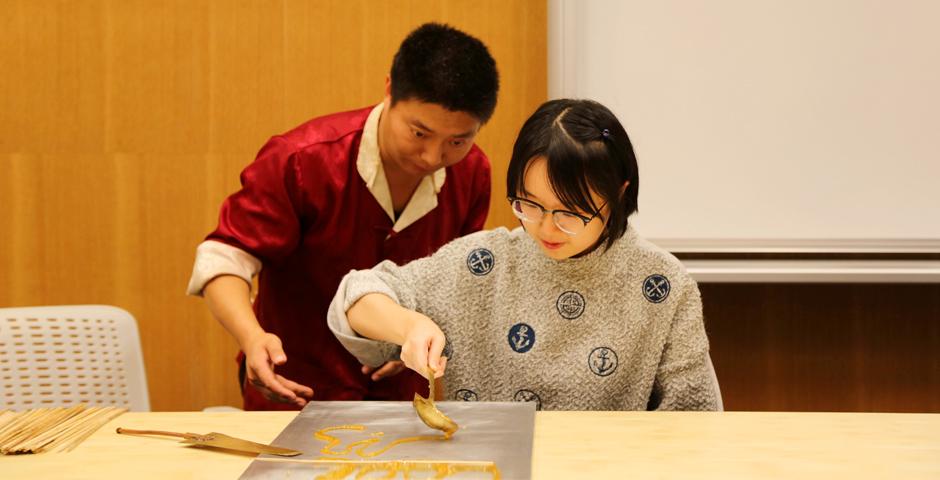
[606, 133]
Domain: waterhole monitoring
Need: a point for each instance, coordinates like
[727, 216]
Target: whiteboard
[768, 125]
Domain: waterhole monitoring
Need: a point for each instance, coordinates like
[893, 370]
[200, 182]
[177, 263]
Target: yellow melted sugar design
[360, 446]
[391, 468]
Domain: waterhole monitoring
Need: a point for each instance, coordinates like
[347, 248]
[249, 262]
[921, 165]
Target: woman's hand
[423, 344]
[377, 316]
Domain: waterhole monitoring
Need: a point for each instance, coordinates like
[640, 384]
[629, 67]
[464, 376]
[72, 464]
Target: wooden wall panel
[826, 347]
[125, 123]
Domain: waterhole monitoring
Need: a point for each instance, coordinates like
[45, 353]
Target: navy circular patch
[656, 288]
[465, 395]
[528, 396]
[480, 261]
[602, 361]
[521, 337]
[570, 305]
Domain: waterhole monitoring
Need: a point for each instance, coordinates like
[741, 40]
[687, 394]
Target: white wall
[765, 124]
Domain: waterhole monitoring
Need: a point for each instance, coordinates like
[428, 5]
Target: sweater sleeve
[353, 286]
[416, 286]
[684, 380]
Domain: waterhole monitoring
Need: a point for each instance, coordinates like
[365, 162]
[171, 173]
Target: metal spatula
[428, 412]
[218, 440]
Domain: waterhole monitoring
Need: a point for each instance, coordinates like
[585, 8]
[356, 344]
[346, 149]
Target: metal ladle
[428, 412]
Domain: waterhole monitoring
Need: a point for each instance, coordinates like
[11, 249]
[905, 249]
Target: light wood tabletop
[567, 445]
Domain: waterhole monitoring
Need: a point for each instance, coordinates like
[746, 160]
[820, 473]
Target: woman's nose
[547, 224]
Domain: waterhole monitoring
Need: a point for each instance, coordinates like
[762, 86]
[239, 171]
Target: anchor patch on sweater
[602, 361]
[570, 305]
[465, 395]
[528, 396]
[480, 261]
[656, 288]
[521, 338]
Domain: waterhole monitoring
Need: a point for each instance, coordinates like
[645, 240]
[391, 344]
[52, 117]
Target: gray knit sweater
[619, 329]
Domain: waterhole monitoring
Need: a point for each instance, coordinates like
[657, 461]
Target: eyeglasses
[566, 220]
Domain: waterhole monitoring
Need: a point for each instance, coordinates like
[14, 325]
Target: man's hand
[263, 352]
[227, 297]
[389, 369]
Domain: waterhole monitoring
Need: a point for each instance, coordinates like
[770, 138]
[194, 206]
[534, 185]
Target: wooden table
[567, 445]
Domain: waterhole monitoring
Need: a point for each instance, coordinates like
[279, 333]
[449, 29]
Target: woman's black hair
[586, 149]
[439, 64]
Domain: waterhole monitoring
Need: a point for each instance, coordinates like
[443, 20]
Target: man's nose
[432, 156]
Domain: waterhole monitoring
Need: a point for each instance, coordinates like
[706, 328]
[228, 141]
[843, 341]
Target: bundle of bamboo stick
[58, 429]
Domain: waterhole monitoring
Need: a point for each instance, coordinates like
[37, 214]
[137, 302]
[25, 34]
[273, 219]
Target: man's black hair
[439, 64]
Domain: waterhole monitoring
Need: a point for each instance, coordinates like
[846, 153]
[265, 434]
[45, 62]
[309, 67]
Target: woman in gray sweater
[573, 311]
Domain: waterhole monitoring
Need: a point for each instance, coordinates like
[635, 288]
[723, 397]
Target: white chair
[66, 355]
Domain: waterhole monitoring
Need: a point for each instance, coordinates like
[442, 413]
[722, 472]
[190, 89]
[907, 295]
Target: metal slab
[499, 432]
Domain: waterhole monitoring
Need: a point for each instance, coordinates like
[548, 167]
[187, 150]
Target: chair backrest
[65, 355]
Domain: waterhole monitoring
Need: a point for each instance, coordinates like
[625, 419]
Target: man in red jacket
[394, 181]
